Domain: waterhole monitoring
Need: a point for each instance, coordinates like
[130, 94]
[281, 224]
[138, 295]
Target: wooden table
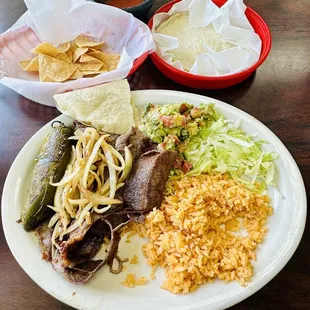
[278, 95]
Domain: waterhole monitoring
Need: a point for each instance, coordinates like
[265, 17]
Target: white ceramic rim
[275, 266]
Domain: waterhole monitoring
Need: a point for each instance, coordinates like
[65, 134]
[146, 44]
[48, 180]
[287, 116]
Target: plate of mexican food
[152, 199]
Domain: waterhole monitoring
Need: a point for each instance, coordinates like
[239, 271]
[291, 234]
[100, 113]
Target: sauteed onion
[84, 189]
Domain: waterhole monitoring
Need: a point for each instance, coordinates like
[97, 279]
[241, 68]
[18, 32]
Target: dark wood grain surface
[278, 95]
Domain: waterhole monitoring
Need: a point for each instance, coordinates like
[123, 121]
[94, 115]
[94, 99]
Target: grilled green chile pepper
[50, 167]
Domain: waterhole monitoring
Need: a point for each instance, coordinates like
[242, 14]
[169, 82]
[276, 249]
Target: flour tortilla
[107, 107]
[192, 41]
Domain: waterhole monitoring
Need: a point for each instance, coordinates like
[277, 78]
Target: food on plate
[107, 107]
[207, 142]
[215, 205]
[134, 260]
[132, 281]
[92, 200]
[148, 176]
[50, 166]
[84, 187]
[187, 179]
[166, 124]
[69, 61]
[83, 198]
[191, 40]
[196, 235]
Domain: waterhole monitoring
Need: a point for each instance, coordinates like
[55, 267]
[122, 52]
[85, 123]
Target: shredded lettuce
[224, 148]
[212, 144]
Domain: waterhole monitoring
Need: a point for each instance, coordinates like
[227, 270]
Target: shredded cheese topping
[83, 188]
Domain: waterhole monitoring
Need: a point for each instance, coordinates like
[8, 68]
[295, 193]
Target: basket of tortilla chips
[63, 45]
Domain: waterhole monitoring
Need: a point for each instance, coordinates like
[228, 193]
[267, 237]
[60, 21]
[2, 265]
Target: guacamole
[172, 125]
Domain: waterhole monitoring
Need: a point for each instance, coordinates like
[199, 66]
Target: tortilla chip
[89, 74]
[30, 65]
[89, 59]
[65, 46]
[79, 52]
[24, 64]
[54, 70]
[46, 78]
[92, 73]
[69, 53]
[88, 67]
[84, 41]
[73, 46]
[136, 115]
[109, 109]
[98, 47]
[47, 49]
[110, 60]
[75, 54]
[76, 75]
[103, 68]
[64, 57]
[90, 49]
[99, 55]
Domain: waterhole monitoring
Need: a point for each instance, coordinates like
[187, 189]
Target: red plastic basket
[138, 62]
[215, 82]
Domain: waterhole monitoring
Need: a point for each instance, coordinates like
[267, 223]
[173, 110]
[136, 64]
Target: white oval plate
[104, 291]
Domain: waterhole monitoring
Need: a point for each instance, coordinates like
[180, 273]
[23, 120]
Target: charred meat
[145, 186]
[72, 256]
[137, 142]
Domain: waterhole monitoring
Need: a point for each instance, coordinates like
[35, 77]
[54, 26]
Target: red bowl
[215, 82]
[138, 62]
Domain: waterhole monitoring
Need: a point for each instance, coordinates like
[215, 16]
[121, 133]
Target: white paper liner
[230, 21]
[60, 21]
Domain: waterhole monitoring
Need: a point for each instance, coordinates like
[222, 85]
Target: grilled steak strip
[44, 234]
[137, 142]
[144, 188]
